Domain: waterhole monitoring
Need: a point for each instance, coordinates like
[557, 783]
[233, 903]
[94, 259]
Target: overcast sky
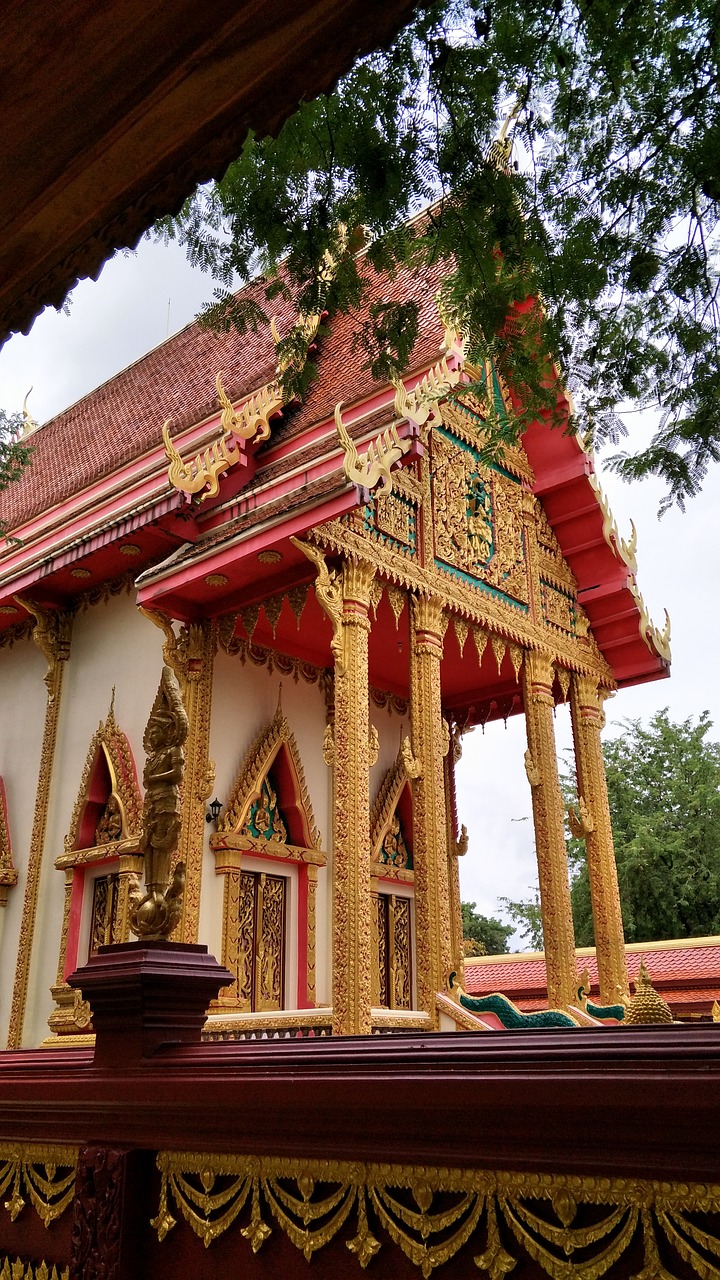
[141, 299]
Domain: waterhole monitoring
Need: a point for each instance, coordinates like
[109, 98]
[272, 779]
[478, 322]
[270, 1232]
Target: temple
[342, 587]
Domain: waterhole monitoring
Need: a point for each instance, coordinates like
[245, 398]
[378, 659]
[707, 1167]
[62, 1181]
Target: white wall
[245, 699]
[112, 644]
[22, 718]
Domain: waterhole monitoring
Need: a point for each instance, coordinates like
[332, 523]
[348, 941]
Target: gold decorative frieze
[41, 1175]
[563, 1225]
[486, 612]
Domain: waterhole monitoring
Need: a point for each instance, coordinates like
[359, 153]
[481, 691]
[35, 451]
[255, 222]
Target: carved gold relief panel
[477, 518]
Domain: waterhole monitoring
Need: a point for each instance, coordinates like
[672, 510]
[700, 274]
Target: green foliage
[14, 455]
[664, 791]
[489, 936]
[527, 918]
[609, 211]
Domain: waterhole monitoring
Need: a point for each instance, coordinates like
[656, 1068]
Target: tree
[14, 455]
[485, 932]
[527, 917]
[664, 791]
[608, 210]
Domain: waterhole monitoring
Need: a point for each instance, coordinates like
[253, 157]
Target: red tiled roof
[122, 419]
[682, 974]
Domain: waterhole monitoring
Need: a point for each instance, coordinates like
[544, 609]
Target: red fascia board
[175, 590]
[111, 502]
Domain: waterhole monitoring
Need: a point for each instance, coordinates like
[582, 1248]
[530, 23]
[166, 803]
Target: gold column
[548, 816]
[312, 881]
[430, 743]
[197, 687]
[455, 849]
[594, 819]
[351, 808]
[191, 655]
[51, 634]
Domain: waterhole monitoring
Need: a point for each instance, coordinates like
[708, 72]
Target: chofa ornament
[157, 913]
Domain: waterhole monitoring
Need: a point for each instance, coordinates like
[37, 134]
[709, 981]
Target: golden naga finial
[29, 423]
[715, 1011]
[156, 914]
[374, 467]
[646, 1006]
[328, 590]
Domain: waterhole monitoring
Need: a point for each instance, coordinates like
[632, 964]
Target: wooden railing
[542, 1152]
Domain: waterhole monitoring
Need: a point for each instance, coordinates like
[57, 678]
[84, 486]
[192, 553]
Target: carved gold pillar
[191, 655]
[351, 808]
[593, 818]
[430, 743]
[455, 849]
[311, 982]
[548, 816]
[51, 634]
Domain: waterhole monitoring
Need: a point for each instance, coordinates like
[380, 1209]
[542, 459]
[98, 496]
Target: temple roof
[96, 500]
[686, 972]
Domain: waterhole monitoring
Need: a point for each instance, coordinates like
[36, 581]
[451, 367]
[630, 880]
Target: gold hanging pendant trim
[536, 1215]
[43, 1176]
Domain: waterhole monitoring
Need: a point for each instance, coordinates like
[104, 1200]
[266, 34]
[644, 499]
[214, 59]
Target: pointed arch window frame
[395, 782]
[109, 745]
[231, 845]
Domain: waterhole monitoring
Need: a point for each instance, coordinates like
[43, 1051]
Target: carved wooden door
[105, 922]
[392, 948]
[261, 941]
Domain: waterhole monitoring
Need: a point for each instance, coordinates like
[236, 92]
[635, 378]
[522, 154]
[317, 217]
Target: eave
[113, 117]
[602, 562]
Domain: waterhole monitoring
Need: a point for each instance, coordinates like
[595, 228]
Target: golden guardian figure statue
[156, 914]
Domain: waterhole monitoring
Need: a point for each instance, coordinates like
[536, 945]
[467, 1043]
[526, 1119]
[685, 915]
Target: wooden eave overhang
[603, 564]
[113, 116]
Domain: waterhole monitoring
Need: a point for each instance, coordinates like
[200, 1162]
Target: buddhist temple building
[342, 587]
[685, 972]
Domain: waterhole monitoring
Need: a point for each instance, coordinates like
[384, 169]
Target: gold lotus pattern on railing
[570, 1226]
[19, 1270]
[44, 1175]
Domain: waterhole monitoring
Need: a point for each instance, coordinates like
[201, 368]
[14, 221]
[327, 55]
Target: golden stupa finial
[646, 1005]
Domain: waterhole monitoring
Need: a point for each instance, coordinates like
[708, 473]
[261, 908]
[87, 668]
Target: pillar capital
[540, 671]
[357, 580]
[427, 617]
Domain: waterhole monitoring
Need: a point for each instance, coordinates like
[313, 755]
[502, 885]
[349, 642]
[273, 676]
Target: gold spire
[646, 1005]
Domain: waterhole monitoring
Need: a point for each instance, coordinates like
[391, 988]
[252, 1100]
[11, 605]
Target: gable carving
[109, 803]
[391, 823]
[270, 801]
